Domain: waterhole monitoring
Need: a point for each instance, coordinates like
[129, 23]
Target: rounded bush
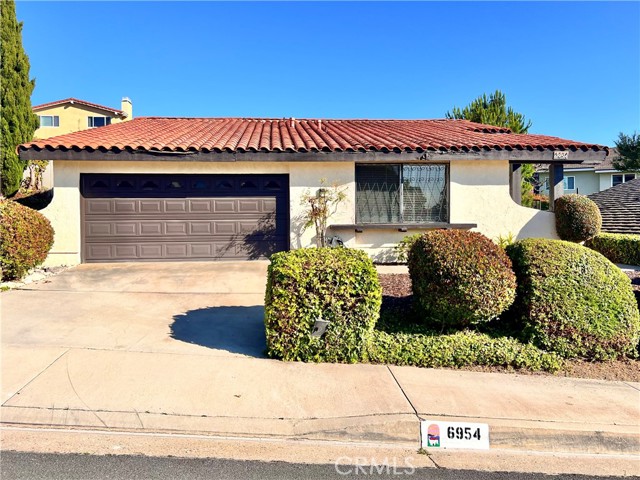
[573, 301]
[460, 278]
[335, 284]
[577, 218]
[26, 237]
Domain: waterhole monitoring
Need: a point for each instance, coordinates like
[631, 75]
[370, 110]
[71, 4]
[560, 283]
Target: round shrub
[336, 284]
[26, 237]
[577, 218]
[573, 301]
[460, 278]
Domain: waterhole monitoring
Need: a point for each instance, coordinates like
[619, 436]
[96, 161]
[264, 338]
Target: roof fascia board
[515, 156]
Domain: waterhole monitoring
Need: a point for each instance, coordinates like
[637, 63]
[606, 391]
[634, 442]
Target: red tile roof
[301, 135]
[81, 102]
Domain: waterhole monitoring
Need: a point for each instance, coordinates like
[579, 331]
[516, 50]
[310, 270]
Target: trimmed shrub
[573, 301]
[617, 247]
[338, 284]
[577, 218]
[404, 245]
[457, 350]
[26, 237]
[460, 278]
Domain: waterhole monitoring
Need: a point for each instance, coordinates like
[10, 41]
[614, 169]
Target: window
[569, 183]
[622, 178]
[99, 121]
[401, 194]
[49, 120]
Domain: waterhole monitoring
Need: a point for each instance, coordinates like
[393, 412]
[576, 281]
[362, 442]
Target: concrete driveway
[206, 308]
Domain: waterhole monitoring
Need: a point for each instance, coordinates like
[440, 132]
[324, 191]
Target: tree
[493, 110]
[319, 207]
[628, 152]
[17, 120]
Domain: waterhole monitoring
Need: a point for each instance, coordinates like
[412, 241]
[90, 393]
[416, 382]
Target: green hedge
[339, 284]
[617, 247]
[26, 237]
[573, 301]
[577, 218]
[460, 278]
[461, 349]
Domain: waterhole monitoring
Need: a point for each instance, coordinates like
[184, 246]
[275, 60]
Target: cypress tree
[17, 120]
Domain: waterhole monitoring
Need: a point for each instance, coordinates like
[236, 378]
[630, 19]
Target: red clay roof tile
[301, 135]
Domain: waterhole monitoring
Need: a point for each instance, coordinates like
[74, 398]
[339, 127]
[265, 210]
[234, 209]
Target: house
[620, 207]
[161, 189]
[71, 115]
[586, 179]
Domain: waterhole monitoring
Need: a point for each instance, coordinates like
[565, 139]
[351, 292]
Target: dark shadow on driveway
[234, 329]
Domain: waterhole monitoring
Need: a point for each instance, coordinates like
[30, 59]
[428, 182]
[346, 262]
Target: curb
[399, 429]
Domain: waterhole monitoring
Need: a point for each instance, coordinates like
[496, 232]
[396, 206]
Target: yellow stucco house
[72, 115]
[162, 189]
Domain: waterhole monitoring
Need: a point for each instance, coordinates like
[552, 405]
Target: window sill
[403, 227]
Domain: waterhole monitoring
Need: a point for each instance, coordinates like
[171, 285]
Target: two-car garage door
[137, 217]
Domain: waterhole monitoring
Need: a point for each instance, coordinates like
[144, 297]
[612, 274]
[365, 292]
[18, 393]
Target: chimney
[127, 107]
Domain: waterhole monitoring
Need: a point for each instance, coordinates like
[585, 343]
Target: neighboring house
[72, 115]
[586, 179]
[156, 189]
[620, 207]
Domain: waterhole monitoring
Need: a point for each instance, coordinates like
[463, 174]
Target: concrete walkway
[153, 348]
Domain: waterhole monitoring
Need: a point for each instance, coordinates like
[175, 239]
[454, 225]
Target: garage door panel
[175, 228]
[151, 206]
[224, 206]
[98, 207]
[151, 228]
[240, 223]
[175, 206]
[151, 251]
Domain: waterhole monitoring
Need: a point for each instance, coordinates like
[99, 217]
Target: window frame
[567, 182]
[623, 178]
[91, 121]
[401, 222]
[55, 121]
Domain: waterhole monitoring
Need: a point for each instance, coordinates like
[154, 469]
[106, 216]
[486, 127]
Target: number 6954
[465, 433]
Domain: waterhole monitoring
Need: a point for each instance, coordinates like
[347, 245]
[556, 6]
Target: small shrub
[577, 218]
[404, 245]
[26, 237]
[617, 247]
[573, 301]
[503, 241]
[460, 278]
[457, 350]
[339, 284]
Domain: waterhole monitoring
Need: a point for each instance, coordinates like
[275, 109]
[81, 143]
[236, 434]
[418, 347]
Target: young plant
[319, 207]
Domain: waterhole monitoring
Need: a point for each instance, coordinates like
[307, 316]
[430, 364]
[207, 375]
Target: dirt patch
[396, 295]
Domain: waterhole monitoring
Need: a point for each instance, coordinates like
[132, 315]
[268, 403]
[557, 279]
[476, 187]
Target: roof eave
[537, 155]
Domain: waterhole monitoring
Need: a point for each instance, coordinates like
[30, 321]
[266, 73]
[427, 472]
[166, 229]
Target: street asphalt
[36, 466]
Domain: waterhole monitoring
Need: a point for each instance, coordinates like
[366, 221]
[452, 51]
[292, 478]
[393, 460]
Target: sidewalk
[240, 396]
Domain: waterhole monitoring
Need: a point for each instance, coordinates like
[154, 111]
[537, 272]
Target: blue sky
[572, 68]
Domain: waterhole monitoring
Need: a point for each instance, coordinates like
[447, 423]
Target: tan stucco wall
[479, 194]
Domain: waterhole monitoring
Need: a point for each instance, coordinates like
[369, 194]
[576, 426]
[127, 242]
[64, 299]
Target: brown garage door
[141, 217]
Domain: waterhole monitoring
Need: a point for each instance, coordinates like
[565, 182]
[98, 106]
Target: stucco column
[515, 182]
[556, 183]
